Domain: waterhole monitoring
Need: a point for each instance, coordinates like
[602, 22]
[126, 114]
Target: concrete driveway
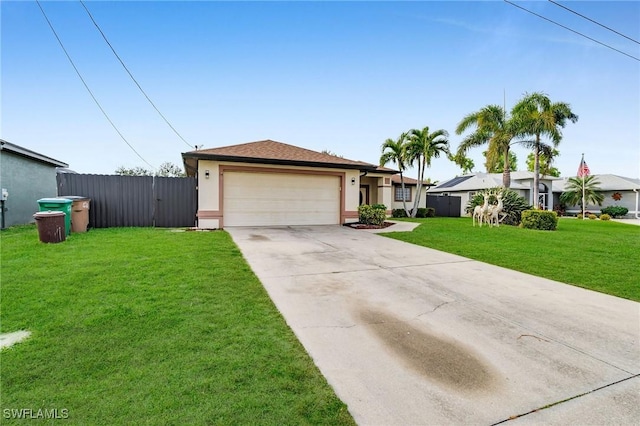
[409, 335]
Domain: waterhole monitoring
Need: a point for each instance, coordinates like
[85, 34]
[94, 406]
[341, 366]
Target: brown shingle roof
[395, 179]
[274, 152]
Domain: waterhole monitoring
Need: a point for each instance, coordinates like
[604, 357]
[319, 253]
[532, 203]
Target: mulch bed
[359, 225]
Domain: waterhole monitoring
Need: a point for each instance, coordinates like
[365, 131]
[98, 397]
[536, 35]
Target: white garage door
[267, 199]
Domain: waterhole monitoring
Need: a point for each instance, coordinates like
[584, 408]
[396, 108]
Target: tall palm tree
[395, 152]
[572, 195]
[535, 115]
[422, 147]
[492, 127]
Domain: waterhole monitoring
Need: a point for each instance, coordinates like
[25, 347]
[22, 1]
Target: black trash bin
[51, 226]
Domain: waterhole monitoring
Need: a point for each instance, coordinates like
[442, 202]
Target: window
[407, 193]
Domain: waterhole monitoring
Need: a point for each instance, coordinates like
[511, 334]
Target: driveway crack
[432, 310]
[565, 400]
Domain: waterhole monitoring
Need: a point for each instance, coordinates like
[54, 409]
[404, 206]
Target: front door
[364, 194]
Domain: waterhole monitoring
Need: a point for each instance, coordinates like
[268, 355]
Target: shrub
[592, 216]
[428, 212]
[615, 211]
[539, 219]
[513, 204]
[372, 215]
[579, 216]
[398, 213]
[605, 216]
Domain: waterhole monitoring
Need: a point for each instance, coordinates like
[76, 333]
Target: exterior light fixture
[206, 174]
[353, 181]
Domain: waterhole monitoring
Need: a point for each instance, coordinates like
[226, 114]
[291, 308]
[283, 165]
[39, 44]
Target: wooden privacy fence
[445, 205]
[117, 201]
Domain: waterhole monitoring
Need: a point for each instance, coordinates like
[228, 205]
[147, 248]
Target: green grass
[148, 326]
[601, 256]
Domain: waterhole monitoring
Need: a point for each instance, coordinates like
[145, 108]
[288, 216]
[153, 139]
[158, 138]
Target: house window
[407, 193]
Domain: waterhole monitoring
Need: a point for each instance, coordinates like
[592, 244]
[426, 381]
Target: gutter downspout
[637, 212]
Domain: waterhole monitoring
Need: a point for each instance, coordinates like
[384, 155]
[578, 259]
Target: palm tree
[493, 128]
[395, 152]
[535, 115]
[423, 146]
[572, 195]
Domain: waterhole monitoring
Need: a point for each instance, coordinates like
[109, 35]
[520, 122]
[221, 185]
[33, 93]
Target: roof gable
[32, 155]
[273, 152]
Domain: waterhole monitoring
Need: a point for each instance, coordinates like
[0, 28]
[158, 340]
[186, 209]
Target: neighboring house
[626, 189]
[269, 183]
[26, 176]
[466, 187]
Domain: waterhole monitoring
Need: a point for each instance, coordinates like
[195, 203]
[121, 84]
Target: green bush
[372, 215]
[592, 216]
[398, 213]
[513, 204]
[428, 212]
[543, 220]
[605, 216]
[615, 211]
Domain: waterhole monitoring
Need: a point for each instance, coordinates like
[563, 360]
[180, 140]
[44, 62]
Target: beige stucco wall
[208, 187]
[399, 205]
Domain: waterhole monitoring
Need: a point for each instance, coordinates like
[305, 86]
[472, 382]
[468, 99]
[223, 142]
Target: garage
[271, 199]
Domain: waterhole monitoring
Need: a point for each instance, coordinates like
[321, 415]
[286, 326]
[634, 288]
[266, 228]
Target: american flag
[583, 169]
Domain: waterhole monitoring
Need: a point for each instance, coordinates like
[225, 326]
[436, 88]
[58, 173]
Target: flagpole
[583, 200]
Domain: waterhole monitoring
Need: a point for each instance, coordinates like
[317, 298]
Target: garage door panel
[263, 199]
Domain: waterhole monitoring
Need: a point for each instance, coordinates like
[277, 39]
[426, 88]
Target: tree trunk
[416, 201]
[536, 172]
[506, 173]
[404, 199]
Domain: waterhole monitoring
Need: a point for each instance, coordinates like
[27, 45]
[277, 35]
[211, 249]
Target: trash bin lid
[49, 213]
[55, 200]
[76, 197]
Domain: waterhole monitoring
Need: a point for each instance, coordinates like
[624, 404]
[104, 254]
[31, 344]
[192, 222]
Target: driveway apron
[409, 335]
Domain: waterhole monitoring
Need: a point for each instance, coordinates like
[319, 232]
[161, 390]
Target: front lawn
[150, 326]
[598, 255]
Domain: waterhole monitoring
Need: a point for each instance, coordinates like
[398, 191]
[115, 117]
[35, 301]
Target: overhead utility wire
[131, 75]
[595, 22]
[573, 31]
[87, 87]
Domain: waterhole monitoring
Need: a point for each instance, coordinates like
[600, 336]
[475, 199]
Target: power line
[595, 22]
[131, 75]
[87, 87]
[573, 31]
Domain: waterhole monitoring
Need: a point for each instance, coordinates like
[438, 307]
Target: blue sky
[342, 76]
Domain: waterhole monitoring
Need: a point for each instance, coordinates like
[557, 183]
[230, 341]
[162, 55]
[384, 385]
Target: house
[25, 176]
[467, 185]
[270, 183]
[410, 187]
[617, 191]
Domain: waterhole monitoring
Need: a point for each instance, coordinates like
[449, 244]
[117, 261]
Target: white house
[617, 191]
[466, 186]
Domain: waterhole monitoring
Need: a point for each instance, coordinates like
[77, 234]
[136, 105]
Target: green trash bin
[58, 205]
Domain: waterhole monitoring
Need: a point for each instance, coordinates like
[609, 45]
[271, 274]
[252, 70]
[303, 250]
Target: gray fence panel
[131, 200]
[445, 205]
[176, 201]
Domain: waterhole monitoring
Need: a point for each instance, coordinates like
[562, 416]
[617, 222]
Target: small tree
[546, 163]
[494, 162]
[572, 196]
[134, 171]
[168, 169]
